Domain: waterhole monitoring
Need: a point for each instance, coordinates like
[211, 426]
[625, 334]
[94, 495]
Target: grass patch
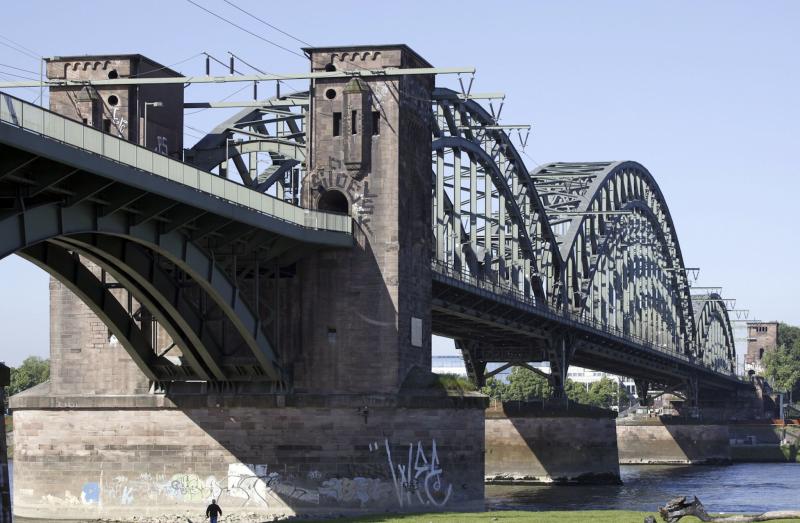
[455, 383]
[519, 516]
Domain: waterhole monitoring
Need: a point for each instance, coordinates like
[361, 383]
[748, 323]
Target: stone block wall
[84, 358]
[657, 442]
[531, 449]
[311, 456]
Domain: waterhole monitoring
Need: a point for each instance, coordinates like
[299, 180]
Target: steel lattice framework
[592, 240]
[568, 263]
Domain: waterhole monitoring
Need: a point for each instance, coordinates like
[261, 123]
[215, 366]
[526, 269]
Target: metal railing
[32, 118]
[563, 315]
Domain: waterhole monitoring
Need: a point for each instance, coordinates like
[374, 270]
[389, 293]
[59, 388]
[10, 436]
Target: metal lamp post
[146, 105]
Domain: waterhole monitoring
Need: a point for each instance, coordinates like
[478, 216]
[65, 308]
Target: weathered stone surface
[266, 460]
[551, 450]
[656, 442]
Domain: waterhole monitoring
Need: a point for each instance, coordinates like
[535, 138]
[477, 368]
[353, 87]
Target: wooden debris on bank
[677, 508]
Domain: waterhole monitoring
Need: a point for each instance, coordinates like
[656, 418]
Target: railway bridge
[262, 333]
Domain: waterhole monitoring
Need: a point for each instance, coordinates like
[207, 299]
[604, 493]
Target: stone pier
[672, 442]
[151, 455]
[530, 444]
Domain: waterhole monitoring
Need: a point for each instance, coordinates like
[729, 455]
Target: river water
[746, 487]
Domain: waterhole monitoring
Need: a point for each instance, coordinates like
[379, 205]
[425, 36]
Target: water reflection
[747, 487]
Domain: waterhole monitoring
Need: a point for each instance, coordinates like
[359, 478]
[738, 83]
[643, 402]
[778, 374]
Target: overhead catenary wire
[170, 66]
[26, 50]
[266, 23]
[234, 24]
[9, 66]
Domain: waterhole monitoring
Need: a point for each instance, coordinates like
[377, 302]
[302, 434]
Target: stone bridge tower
[353, 329]
[366, 311]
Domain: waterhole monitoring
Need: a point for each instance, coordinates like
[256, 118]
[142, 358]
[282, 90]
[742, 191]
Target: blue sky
[704, 94]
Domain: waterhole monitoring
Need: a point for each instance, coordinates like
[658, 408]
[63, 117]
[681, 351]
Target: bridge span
[300, 289]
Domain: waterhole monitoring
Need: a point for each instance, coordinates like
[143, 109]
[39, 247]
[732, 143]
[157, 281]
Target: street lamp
[146, 105]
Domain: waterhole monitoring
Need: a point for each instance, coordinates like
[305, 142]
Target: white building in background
[455, 365]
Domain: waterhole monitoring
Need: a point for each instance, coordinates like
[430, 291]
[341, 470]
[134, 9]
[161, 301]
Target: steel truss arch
[26, 228]
[715, 341]
[587, 204]
[482, 183]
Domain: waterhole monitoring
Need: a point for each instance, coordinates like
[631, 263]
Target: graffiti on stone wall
[422, 480]
[358, 194]
[119, 122]
[417, 480]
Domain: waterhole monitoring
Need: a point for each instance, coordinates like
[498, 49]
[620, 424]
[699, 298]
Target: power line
[266, 23]
[226, 98]
[20, 76]
[169, 66]
[29, 55]
[279, 46]
[20, 69]
[21, 48]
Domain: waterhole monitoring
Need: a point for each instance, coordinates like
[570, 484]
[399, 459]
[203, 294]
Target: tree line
[526, 385]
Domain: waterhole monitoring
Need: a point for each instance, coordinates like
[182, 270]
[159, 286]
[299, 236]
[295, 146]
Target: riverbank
[581, 516]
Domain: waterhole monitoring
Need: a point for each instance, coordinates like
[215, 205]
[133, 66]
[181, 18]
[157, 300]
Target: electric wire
[234, 93]
[168, 66]
[20, 76]
[266, 23]
[28, 49]
[234, 24]
[21, 52]
[20, 69]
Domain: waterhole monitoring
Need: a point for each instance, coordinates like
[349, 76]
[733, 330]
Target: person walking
[213, 511]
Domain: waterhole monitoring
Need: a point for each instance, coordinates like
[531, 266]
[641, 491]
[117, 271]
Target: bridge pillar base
[655, 441]
[529, 443]
[83, 457]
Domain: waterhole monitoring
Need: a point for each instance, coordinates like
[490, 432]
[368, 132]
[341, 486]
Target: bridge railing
[563, 315]
[46, 123]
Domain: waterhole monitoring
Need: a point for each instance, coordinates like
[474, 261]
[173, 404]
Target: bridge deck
[517, 328]
[46, 134]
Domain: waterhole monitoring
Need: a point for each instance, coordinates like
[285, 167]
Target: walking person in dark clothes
[213, 511]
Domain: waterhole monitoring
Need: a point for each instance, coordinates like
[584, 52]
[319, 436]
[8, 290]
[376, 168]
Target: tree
[524, 384]
[33, 371]
[783, 366]
[495, 389]
[604, 393]
[577, 392]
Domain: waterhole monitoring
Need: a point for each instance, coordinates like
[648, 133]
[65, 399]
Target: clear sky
[704, 94]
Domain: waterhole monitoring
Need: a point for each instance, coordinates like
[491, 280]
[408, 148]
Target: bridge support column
[559, 355]
[642, 390]
[476, 368]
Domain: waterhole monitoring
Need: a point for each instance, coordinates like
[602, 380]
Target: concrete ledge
[211, 400]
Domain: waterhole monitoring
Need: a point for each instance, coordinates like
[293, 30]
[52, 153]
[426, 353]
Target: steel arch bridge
[570, 263]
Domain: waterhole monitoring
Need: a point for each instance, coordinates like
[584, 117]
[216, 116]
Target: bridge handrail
[43, 122]
[545, 310]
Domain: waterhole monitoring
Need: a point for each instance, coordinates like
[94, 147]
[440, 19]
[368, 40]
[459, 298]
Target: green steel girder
[68, 269]
[28, 227]
[141, 275]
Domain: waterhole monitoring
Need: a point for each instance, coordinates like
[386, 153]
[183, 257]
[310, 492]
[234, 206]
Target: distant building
[762, 337]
